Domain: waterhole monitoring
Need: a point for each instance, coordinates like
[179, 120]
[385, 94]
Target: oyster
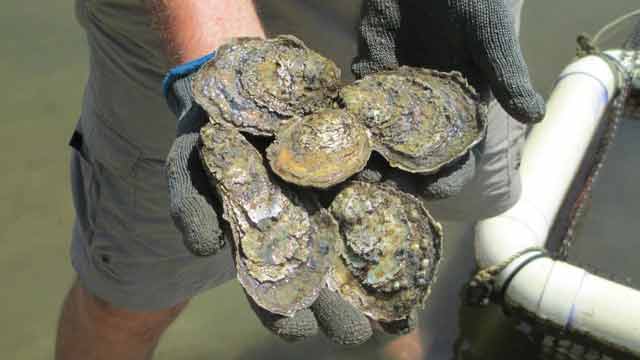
[419, 119]
[284, 243]
[321, 149]
[389, 251]
[257, 85]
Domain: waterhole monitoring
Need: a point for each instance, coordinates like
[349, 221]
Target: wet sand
[44, 69]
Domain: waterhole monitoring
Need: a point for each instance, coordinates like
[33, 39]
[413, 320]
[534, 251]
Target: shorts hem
[111, 291]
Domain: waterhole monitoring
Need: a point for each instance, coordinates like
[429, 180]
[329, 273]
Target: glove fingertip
[204, 245]
[199, 225]
[340, 321]
[527, 109]
[300, 326]
[518, 98]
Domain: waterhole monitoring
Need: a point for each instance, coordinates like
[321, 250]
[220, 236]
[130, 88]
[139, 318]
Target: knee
[110, 320]
[406, 347]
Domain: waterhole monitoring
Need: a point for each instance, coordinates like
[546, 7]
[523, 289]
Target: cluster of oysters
[287, 149]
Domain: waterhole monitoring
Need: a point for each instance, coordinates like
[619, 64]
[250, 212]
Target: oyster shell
[419, 119]
[389, 253]
[284, 243]
[321, 149]
[257, 85]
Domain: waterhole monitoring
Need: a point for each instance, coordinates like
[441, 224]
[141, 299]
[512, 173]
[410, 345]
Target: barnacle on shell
[420, 120]
[389, 250]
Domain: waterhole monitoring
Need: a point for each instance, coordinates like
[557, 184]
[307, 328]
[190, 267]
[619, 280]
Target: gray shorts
[125, 247]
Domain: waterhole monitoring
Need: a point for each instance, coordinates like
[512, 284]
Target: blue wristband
[183, 70]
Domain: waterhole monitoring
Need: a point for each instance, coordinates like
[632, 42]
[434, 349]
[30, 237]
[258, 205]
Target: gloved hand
[338, 320]
[192, 202]
[450, 180]
[194, 209]
[476, 37]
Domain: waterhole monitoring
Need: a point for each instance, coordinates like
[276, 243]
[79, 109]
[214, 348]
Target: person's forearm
[192, 28]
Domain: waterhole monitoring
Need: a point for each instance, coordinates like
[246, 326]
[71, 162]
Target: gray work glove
[475, 37]
[450, 180]
[195, 210]
[192, 204]
[339, 321]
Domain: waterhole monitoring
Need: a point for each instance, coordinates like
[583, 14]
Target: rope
[482, 288]
[590, 46]
[491, 272]
[613, 24]
[586, 46]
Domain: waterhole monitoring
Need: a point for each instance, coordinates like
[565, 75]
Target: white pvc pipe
[550, 160]
[555, 291]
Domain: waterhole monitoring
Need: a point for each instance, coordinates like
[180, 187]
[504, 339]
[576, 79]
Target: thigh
[125, 247]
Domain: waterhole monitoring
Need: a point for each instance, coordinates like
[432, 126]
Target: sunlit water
[44, 66]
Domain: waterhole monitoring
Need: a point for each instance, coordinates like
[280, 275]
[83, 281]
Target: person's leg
[92, 329]
[407, 347]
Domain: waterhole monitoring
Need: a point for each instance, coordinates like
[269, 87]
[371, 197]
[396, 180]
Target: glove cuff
[177, 91]
[182, 71]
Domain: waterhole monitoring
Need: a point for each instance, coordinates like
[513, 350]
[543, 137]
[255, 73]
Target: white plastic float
[554, 291]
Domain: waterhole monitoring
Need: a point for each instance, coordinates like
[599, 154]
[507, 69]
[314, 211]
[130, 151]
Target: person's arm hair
[193, 28]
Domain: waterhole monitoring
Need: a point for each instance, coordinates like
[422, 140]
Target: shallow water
[44, 67]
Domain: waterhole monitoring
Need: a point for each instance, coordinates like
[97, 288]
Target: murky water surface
[43, 65]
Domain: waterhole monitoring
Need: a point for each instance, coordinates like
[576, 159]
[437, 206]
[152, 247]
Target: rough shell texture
[419, 119]
[283, 245]
[258, 85]
[389, 253]
[321, 149]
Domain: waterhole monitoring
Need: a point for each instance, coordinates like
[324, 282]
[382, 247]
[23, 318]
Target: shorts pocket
[109, 197]
[84, 186]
